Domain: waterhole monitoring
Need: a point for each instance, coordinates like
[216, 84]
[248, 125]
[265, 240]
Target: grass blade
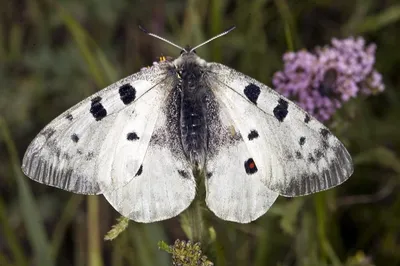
[29, 209]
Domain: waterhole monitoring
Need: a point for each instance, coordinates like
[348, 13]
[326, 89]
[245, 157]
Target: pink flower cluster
[320, 81]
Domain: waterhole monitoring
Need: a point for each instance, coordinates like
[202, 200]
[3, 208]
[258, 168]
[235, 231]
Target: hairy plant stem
[193, 221]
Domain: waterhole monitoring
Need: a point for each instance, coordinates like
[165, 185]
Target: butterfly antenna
[160, 38]
[213, 38]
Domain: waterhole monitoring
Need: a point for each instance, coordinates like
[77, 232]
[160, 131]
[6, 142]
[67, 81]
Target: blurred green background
[55, 53]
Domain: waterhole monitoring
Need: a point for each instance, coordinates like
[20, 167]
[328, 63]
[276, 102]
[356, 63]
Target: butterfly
[141, 141]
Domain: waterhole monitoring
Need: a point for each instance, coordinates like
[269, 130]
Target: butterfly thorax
[193, 126]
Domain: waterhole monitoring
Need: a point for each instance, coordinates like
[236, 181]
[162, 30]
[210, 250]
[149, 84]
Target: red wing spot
[250, 166]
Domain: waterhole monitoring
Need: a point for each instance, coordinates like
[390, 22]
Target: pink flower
[320, 81]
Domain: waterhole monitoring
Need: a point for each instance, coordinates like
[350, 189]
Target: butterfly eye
[182, 51]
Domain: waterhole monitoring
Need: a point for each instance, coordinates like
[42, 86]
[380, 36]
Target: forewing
[77, 150]
[164, 186]
[299, 154]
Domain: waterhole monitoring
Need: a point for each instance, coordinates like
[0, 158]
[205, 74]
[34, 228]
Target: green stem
[193, 222]
[196, 223]
[94, 249]
[327, 249]
[289, 23]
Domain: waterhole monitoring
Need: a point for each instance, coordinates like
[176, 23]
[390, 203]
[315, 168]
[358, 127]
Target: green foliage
[118, 228]
[55, 53]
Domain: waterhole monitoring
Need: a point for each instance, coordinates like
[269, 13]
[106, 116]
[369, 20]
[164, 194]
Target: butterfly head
[187, 50]
[188, 53]
[188, 56]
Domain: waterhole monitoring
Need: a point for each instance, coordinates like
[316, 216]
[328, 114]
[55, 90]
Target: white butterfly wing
[77, 150]
[163, 188]
[235, 189]
[233, 194]
[164, 185]
[297, 154]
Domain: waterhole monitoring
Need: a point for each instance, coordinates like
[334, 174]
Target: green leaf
[118, 228]
[383, 19]
[164, 246]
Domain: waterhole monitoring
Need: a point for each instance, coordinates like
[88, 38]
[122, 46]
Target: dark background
[55, 53]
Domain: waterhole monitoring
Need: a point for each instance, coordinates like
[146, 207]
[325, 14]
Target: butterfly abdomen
[193, 114]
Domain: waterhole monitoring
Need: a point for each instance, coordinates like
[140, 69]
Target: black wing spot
[183, 174]
[324, 132]
[311, 158]
[97, 109]
[132, 136]
[69, 117]
[209, 175]
[325, 145]
[75, 137]
[252, 92]
[139, 172]
[299, 155]
[127, 93]
[307, 119]
[281, 110]
[253, 134]
[302, 141]
[250, 166]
